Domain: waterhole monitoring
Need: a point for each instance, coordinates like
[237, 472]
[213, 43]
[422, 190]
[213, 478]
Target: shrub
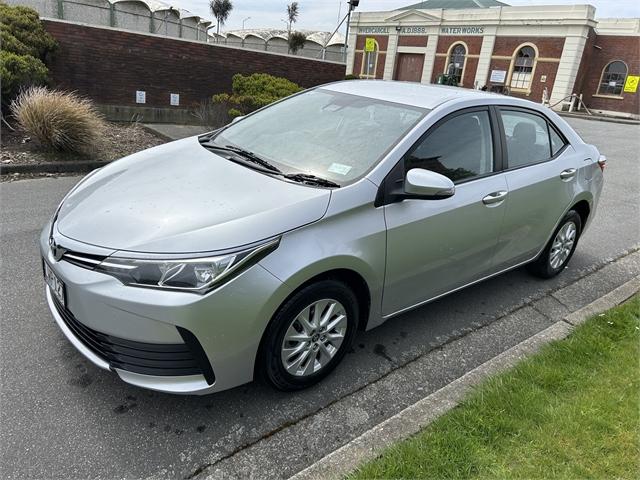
[58, 120]
[352, 76]
[296, 41]
[25, 45]
[251, 92]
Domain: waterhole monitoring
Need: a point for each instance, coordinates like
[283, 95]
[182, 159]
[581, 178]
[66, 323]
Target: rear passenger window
[557, 142]
[460, 148]
[527, 138]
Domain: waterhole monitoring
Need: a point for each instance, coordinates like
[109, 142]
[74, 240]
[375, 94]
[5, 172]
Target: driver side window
[460, 148]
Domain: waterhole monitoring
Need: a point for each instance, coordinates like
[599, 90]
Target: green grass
[571, 411]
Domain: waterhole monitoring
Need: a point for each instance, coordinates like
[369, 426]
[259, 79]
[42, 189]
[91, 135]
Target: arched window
[370, 63]
[613, 78]
[523, 65]
[455, 63]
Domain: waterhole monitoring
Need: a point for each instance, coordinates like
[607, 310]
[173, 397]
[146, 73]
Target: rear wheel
[309, 335]
[560, 248]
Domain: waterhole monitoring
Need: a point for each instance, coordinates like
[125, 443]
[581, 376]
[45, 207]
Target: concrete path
[170, 132]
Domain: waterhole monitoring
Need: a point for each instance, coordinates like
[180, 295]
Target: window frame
[503, 136]
[612, 95]
[391, 189]
[512, 67]
[376, 51]
[464, 63]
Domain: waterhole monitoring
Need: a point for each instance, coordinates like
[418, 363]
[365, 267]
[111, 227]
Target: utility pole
[352, 5]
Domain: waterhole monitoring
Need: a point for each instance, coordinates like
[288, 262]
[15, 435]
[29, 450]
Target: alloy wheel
[314, 337]
[562, 245]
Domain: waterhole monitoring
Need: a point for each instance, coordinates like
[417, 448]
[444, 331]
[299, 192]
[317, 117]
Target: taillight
[602, 162]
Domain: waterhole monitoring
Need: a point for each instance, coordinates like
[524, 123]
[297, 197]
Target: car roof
[407, 93]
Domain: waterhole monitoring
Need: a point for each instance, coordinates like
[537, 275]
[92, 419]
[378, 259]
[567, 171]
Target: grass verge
[570, 411]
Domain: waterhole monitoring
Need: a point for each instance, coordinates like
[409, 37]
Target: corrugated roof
[454, 4]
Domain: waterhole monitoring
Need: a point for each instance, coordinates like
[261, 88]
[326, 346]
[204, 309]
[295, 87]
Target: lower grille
[159, 359]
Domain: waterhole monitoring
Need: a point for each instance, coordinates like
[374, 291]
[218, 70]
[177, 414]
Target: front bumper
[226, 323]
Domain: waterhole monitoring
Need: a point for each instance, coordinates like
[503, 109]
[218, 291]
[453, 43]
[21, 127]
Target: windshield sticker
[339, 168]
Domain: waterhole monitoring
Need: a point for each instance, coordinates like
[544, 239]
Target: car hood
[181, 198]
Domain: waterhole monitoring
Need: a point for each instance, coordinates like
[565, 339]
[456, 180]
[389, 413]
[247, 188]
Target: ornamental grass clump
[59, 120]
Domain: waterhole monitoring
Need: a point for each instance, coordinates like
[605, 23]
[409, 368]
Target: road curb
[412, 419]
[53, 167]
[625, 121]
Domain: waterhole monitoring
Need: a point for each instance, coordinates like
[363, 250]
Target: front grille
[147, 358]
[84, 260]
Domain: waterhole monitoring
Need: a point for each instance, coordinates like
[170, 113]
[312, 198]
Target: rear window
[530, 138]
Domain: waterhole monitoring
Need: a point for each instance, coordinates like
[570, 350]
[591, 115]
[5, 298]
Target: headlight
[198, 275]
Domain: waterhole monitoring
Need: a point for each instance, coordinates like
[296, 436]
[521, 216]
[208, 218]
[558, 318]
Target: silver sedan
[261, 248]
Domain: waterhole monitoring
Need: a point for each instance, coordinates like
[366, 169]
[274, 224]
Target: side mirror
[421, 183]
[235, 119]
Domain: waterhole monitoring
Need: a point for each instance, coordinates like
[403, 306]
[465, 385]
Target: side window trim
[387, 192]
[550, 125]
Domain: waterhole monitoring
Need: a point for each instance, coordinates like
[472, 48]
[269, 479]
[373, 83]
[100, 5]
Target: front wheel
[309, 335]
[556, 255]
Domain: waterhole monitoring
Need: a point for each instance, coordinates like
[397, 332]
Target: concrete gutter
[412, 419]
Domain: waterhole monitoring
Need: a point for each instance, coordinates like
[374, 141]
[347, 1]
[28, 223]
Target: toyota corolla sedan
[261, 248]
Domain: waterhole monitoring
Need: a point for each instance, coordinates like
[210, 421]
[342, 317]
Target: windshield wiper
[310, 179]
[246, 154]
[305, 178]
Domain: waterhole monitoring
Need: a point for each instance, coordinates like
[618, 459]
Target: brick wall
[412, 40]
[108, 66]
[549, 48]
[611, 48]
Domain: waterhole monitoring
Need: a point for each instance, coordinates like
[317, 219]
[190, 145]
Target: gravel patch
[117, 141]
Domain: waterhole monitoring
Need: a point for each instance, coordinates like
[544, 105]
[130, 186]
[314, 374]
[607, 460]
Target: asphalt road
[62, 418]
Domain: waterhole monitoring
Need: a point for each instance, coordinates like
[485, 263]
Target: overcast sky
[323, 14]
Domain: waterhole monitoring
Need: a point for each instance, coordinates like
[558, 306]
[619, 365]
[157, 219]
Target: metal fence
[136, 15]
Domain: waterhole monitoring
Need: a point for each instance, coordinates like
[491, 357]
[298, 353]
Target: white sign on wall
[174, 99]
[498, 76]
[141, 96]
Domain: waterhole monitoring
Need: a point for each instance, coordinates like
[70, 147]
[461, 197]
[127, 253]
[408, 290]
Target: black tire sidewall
[543, 262]
[271, 364]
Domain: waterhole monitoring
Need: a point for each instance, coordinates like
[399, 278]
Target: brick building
[533, 52]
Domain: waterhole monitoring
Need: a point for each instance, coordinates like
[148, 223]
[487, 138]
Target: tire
[552, 261]
[324, 349]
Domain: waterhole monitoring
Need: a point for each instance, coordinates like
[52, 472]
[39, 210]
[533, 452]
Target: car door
[541, 174]
[434, 246]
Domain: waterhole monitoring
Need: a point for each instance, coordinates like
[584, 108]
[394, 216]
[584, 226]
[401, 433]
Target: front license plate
[55, 284]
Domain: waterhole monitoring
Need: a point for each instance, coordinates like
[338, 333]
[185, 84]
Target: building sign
[498, 76]
[412, 31]
[141, 96]
[174, 99]
[422, 30]
[370, 45]
[374, 30]
[631, 85]
[474, 30]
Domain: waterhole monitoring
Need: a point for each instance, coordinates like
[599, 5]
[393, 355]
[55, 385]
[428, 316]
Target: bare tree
[221, 9]
[292, 16]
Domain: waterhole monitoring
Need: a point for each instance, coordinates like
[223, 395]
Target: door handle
[568, 174]
[495, 197]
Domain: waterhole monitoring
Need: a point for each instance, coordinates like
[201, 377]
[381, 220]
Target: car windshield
[331, 135]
